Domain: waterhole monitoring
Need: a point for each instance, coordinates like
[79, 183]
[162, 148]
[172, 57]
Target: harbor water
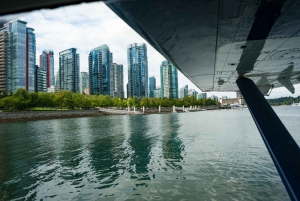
[207, 155]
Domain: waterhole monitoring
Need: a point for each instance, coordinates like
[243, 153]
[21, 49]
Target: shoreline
[44, 117]
[6, 117]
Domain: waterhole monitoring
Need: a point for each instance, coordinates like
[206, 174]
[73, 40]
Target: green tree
[145, 102]
[78, 99]
[186, 101]
[193, 100]
[64, 99]
[7, 103]
[129, 102]
[33, 97]
[115, 101]
[209, 102]
[105, 101]
[124, 103]
[94, 101]
[45, 100]
[86, 103]
[21, 99]
[135, 101]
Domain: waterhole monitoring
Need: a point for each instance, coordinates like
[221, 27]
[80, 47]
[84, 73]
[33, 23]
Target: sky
[90, 25]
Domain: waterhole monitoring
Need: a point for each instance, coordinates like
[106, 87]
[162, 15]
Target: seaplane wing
[214, 42]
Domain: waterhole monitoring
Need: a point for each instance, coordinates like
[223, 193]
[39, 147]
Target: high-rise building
[137, 70]
[57, 79]
[152, 86]
[4, 59]
[47, 62]
[157, 92]
[169, 80]
[19, 56]
[193, 92]
[225, 97]
[184, 91]
[101, 72]
[84, 81]
[40, 79]
[118, 78]
[69, 70]
[30, 59]
[213, 97]
[127, 95]
[202, 96]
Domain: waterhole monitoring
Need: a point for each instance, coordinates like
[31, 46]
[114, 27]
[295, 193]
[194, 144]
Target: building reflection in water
[172, 146]
[141, 144]
[70, 147]
[107, 152]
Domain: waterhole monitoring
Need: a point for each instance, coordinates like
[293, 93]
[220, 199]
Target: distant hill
[283, 100]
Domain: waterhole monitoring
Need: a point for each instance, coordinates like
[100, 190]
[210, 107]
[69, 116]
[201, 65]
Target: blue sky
[90, 25]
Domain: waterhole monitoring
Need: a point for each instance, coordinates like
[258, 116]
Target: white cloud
[90, 25]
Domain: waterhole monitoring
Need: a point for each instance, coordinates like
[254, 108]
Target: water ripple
[187, 156]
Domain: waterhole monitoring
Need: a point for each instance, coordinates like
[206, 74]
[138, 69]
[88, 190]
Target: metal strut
[285, 152]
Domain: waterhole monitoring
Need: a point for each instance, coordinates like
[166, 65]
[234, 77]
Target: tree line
[284, 100]
[23, 100]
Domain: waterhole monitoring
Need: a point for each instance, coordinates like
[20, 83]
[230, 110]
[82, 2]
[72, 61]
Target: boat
[235, 105]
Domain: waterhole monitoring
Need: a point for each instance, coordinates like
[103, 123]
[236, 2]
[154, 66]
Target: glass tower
[157, 92]
[4, 59]
[137, 70]
[152, 86]
[202, 96]
[20, 57]
[47, 63]
[169, 80]
[118, 78]
[184, 91]
[30, 59]
[40, 79]
[69, 70]
[193, 92]
[84, 81]
[101, 72]
[57, 79]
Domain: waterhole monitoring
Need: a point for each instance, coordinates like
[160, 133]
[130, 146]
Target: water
[211, 155]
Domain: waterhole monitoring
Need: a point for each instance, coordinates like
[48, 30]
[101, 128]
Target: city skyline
[98, 23]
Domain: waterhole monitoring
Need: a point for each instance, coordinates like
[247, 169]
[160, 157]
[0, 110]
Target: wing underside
[214, 42]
